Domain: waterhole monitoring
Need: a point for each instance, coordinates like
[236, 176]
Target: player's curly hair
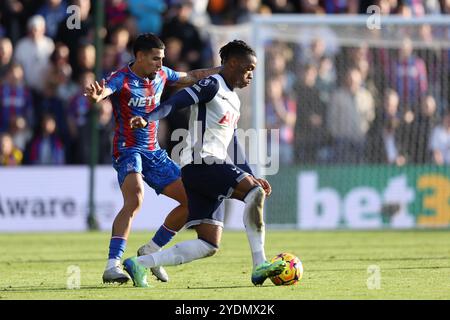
[235, 48]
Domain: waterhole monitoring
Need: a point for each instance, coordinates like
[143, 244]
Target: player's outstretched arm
[180, 100]
[191, 77]
[96, 92]
[202, 92]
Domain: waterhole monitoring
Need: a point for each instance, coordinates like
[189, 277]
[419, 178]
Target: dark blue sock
[116, 247]
[163, 236]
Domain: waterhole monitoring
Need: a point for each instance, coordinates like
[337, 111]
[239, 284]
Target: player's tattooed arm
[96, 92]
[191, 77]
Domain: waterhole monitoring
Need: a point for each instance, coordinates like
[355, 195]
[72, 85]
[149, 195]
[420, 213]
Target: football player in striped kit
[135, 90]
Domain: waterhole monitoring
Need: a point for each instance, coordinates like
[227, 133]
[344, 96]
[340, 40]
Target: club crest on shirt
[204, 82]
[130, 166]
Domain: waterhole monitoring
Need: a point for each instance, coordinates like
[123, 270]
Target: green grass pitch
[411, 264]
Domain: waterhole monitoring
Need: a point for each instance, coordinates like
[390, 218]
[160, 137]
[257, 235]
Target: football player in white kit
[208, 175]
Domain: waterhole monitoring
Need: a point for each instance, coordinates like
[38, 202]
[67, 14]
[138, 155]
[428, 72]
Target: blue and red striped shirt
[136, 96]
[14, 101]
[410, 80]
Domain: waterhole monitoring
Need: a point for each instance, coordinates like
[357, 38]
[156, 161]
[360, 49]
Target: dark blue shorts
[157, 169]
[206, 186]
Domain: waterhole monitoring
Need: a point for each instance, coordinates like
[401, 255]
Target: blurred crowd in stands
[358, 105]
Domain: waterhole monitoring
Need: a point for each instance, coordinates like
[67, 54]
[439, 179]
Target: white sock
[152, 246]
[254, 224]
[182, 252]
[111, 263]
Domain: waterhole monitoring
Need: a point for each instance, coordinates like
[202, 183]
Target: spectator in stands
[342, 6]
[314, 52]
[221, 12]
[50, 103]
[61, 71]
[385, 143]
[15, 14]
[445, 6]
[46, 148]
[281, 56]
[245, 10]
[53, 11]
[409, 77]
[436, 63]
[20, 132]
[387, 7]
[349, 117]
[74, 38]
[326, 79]
[180, 27]
[116, 13]
[311, 7]
[33, 53]
[386, 139]
[109, 60]
[148, 14]
[419, 131]
[15, 98]
[310, 132]
[105, 135]
[120, 37]
[440, 142]
[280, 6]
[281, 114]
[6, 53]
[432, 6]
[10, 155]
[77, 117]
[85, 59]
[173, 52]
[418, 8]
[200, 17]
[390, 108]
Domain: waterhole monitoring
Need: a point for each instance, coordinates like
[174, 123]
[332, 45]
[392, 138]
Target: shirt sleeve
[201, 92]
[204, 90]
[115, 81]
[172, 76]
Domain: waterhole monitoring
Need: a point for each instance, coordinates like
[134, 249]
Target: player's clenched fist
[137, 122]
[263, 183]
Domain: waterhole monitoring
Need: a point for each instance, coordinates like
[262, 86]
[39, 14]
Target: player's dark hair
[235, 48]
[147, 42]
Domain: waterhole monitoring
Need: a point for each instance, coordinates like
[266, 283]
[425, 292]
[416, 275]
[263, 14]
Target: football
[292, 273]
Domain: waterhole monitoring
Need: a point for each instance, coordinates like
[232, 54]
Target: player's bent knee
[260, 194]
[208, 248]
[133, 204]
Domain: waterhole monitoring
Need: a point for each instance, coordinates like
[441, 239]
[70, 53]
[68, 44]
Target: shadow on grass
[49, 289]
[52, 261]
[25, 289]
[333, 259]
